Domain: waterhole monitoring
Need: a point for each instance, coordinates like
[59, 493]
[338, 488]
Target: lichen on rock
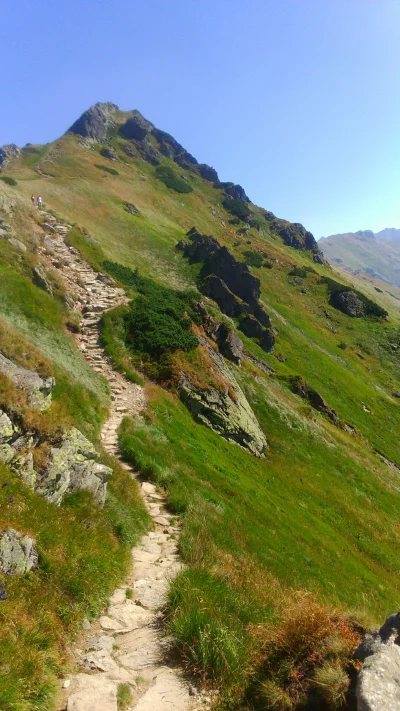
[38, 389]
[72, 467]
[231, 417]
[18, 554]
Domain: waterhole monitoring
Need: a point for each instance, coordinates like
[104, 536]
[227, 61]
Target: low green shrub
[239, 208]
[298, 272]
[9, 181]
[168, 176]
[106, 169]
[253, 259]
[342, 345]
[113, 337]
[268, 265]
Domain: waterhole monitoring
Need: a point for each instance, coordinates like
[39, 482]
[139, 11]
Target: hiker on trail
[39, 201]
[33, 199]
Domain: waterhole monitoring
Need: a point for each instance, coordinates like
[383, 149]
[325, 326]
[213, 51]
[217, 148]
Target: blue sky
[296, 100]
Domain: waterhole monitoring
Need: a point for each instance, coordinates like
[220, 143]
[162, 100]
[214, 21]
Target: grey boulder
[17, 553]
[38, 388]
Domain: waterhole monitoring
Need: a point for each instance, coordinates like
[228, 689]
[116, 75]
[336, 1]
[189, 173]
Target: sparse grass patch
[124, 697]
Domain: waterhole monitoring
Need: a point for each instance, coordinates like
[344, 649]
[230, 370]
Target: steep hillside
[271, 420]
[377, 255]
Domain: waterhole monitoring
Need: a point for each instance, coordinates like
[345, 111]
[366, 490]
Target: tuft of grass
[129, 593]
[332, 683]
[124, 697]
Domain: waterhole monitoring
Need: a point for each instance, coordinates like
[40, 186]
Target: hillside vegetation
[291, 540]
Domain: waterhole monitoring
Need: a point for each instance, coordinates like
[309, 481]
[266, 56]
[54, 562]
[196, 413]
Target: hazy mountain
[377, 254]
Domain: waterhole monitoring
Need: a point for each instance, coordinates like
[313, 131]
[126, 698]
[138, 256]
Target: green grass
[124, 697]
[340, 510]
[114, 337]
[79, 567]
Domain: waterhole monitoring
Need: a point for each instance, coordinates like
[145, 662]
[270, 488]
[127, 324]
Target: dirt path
[126, 645]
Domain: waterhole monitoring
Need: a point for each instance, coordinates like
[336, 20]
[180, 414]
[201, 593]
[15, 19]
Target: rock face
[108, 153]
[208, 173]
[8, 153]
[229, 343]
[295, 235]
[378, 686]
[237, 193]
[231, 284]
[301, 388]
[349, 303]
[17, 553]
[231, 417]
[41, 280]
[136, 127]
[72, 467]
[38, 389]
[94, 122]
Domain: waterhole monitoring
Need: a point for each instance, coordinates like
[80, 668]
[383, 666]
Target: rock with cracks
[17, 553]
[72, 467]
[38, 389]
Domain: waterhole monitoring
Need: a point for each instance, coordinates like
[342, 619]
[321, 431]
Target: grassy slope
[320, 511]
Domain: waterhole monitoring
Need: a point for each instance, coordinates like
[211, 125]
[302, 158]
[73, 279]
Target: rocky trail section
[125, 646]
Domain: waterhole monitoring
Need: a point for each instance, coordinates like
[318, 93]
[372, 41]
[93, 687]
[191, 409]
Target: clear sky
[296, 100]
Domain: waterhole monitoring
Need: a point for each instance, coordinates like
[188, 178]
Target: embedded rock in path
[349, 303]
[72, 468]
[8, 153]
[17, 553]
[94, 122]
[225, 411]
[38, 389]
[92, 693]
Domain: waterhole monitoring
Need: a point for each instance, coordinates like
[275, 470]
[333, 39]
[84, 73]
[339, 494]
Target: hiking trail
[126, 645]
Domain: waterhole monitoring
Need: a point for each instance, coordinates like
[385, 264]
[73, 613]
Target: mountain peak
[94, 122]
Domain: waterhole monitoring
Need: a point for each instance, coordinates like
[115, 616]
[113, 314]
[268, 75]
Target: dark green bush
[220, 184]
[8, 180]
[253, 259]
[239, 208]
[378, 289]
[342, 345]
[168, 176]
[268, 265]
[298, 272]
[106, 169]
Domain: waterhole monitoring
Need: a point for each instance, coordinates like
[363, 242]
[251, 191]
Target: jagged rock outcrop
[295, 235]
[237, 193]
[208, 173]
[349, 303]
[72, 467]
[38, 389]
[229, 343]
[301, 388]
[109, 153]
[230, 283]
[18, 554]
[94, 123]
[136, 127]
[378, 685]
[8, 153]
[224, 410]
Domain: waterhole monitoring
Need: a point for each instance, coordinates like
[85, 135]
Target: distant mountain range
[377, 254]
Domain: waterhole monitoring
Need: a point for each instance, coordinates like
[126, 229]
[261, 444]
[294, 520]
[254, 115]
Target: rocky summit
[199, 456]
